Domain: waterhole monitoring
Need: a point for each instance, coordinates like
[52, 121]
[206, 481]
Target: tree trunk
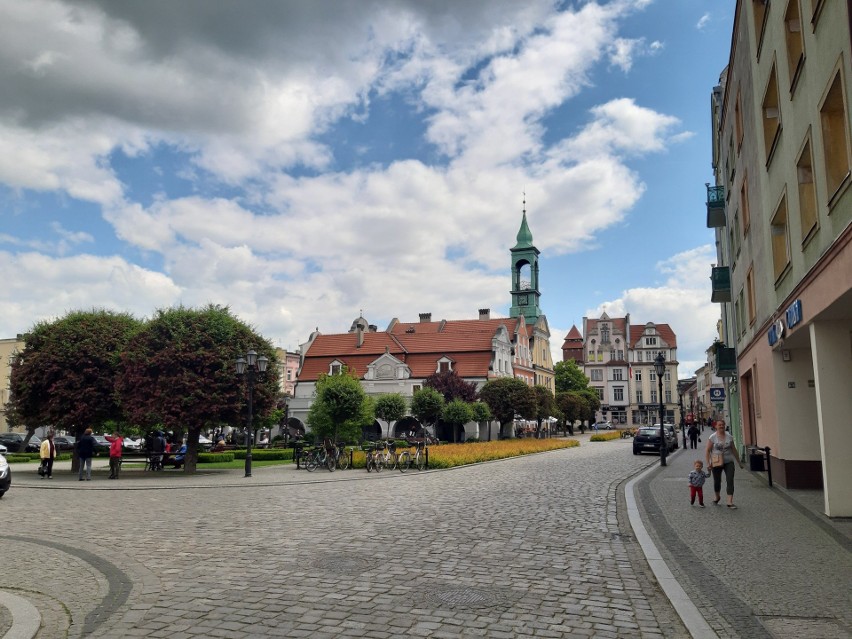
[190, 459]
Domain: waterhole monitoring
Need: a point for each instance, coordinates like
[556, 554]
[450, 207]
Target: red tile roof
[664, 330]
[573, 335]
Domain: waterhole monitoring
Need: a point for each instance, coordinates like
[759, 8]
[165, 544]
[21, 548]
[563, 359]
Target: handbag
[41, 470]
[699, 439]
[717, 459]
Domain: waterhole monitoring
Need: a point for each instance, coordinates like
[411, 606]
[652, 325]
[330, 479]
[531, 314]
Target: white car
[204, 443]
[131, 444]
[3, 449]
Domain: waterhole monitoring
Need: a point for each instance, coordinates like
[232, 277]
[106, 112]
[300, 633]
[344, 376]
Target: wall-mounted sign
[793, 314]
[775, 332]
[717, 395]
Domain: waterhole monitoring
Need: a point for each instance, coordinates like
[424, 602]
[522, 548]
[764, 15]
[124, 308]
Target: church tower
[525, 291]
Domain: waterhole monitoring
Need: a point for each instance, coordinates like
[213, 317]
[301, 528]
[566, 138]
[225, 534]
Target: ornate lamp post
[682, 422]
[251, 366]
[660, 369]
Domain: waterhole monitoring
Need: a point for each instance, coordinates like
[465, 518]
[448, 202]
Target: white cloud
[702, 22]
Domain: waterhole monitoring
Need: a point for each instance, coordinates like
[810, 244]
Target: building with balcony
[783, 156]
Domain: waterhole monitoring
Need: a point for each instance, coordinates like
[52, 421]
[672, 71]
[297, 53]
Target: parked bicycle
[388, 454]
[375, 459]
[418, 459]
[341, 457]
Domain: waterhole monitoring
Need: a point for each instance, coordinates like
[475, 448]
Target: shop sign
[717, 395]
[793, 315]
[775, 332]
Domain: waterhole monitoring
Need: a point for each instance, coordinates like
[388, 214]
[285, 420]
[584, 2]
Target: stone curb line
[26, 619]
[690, 615]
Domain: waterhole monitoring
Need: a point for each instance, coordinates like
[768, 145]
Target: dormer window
[335, 368]
[445, 365]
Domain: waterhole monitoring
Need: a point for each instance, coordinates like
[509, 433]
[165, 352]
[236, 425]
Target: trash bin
[756, 461]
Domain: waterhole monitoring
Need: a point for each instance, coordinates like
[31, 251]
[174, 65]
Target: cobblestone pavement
[528, 547]
[769, 569]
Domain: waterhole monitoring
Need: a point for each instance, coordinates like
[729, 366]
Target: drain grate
[342, 565]
[470, 597]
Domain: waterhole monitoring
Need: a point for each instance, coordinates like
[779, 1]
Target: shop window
[780, 233]
[771, 115]
[795, 42]
[807, 193]
[835, 137]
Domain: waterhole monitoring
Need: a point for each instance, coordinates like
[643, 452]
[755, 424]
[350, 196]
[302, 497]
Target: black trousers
[693, 441]
[47, 464]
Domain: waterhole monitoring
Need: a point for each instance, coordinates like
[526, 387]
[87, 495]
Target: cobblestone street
[529, 547]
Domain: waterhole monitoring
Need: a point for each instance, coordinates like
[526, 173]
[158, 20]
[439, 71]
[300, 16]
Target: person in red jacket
[115, 455]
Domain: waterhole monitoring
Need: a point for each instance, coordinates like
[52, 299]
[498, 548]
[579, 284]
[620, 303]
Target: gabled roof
[347, 343]
[663, 330]
[619, 324]
[574, 335]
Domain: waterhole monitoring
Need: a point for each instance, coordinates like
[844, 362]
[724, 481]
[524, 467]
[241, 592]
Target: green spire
[524, 238]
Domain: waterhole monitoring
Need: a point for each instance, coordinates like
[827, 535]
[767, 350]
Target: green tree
[572, 406]
[545, 405]
[506, 397]
[341, 407]
[427, 405]
[593, 401]
[390, 408]
[569, 377]
[481, 412]
[179, 371]
[65, 375]
[457, 413]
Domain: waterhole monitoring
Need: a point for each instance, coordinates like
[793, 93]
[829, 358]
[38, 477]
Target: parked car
[3, 449]
[602, 426]
[5, 476]
[34, 444]
[101, 443]
[131, 444]
[647, 439]
[63, 443]
[204, 443]
[12, 441]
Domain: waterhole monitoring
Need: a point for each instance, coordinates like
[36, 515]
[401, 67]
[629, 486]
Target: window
[750, 295]
[759, 9]
[650, 341]
[735, 234]
[668, 399]
[653, 396]
[668, 376]
[600, 357]
[652, 375]
[335, 369]
[605, 334]
[771, 115]
[289, 374]
[619, 354]
[600, 393]
[638, 397]
[738, 121]
[807, 193]
[795, 43]
[738, 310]
[780, 239]
[618, 394]
[415, 388]
[617, 374]
[597, 375]
[638, 375]
[835, 137]
[444, 366]
[744, 205]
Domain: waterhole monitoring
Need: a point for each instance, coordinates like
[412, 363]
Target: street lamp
[660, 369]
[680, 408]
[251, 366]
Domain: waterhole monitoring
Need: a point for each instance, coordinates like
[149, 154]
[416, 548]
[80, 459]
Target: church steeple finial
[525, 238]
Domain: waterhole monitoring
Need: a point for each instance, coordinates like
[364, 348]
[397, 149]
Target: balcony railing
[720, 279]
[715, 206]
[726, 361]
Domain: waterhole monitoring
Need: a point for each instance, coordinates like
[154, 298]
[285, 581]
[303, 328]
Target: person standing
[721, 453]
[696, 483]
[115, 455]
[693, 436]
[85, 451]
[47, 453]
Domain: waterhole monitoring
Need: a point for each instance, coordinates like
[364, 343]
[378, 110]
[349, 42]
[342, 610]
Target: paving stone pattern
[530, 547]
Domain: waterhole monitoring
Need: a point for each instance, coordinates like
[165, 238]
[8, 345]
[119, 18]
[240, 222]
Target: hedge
[215, 458]
[266, 454]
[20, 458]
[605, 437]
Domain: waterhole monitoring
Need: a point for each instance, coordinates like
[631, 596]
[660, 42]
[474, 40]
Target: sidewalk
[773, 568]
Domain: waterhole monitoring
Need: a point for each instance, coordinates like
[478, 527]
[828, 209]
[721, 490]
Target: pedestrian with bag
[721, 453]
[693, 436]
[115, 455]
[85, 452]
[47, 453]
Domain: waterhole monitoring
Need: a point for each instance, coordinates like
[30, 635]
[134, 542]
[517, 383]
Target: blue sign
[717, 395]
[793, 314]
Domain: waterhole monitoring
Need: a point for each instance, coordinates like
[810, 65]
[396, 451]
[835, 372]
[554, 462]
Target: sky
[306, 162]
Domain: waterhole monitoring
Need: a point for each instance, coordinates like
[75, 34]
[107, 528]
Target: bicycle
[419, 460]
[388, 454]
[320, 456]
[375, 460]
[341, 458]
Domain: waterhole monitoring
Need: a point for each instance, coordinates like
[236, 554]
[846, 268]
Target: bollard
[426, 454]
[768, 466]
[351, 467]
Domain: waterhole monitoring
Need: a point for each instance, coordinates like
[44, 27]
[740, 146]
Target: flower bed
[605, 437]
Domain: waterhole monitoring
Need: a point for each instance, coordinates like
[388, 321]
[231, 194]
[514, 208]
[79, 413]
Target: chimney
[359, 336]
[425, 317]
[484, 313]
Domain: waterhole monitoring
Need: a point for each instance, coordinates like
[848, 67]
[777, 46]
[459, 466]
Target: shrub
[215, 458]
[15, 458]
[605, 437]
[265, 454]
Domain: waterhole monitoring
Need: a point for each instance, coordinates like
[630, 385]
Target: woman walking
[721, 453]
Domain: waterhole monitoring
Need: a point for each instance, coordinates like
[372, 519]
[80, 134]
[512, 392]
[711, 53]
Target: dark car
[647, 439]
[63, 443]
[12, 441]
[101, 443]
[34, 445]
[5, 476]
